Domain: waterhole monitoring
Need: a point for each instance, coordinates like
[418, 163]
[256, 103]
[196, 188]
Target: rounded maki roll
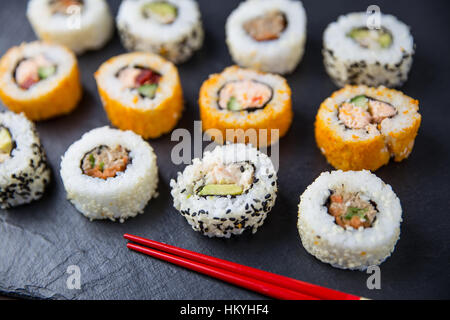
[170, 28]
[229, 190]
[141, 92]
[40, 79]
[267, 35]
[246, 106]
[77, 24]
[356, 54]
[349, 219]
[110, 174]
[24, 172]
[361, 127]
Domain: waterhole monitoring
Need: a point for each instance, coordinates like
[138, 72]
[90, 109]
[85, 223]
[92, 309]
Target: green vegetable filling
[45, 72]
[6, 143]
[163, 11]
[365, 36]
[360, 101]
[92, 160]
[101, 166]
[148, 90]
[221, 190]
[233, 104]
[353, 211]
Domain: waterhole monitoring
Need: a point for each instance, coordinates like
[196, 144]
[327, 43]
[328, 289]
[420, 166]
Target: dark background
[39, 241]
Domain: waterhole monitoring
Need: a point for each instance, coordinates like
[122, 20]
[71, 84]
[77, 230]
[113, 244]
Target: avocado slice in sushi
[6, 143]
[45, 72]
[371, 38]
[148, 90]
[162, 11]
[385, 40]
[233, 104]
[360, 101]
[221, 190]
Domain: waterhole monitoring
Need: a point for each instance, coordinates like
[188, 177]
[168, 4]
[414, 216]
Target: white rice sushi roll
[356, 54]
[77, 24]
[172, 28]
[349, 219]
[228, 191]
[267, 35]
[110, 174]
[24, 172]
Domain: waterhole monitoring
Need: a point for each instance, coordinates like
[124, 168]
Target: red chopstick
[304, 288]
[236, 279]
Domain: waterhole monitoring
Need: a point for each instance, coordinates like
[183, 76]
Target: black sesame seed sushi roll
[229, 190]
[356, 54]
[110, 174]
[170, 28]
[24, 173]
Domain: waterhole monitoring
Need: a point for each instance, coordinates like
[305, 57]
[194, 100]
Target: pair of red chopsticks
[266, 283]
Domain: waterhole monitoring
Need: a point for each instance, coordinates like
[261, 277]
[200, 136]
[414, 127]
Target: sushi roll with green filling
[350, 219]
[110, 174]
[24, 173]
[229, 190]
[356, 54]
[80, 25]
[170, 28]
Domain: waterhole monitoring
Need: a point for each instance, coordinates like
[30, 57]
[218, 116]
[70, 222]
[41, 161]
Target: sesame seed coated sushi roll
[110, 174]
[229, 190]
[77, 24]
[350, 220]
[246, 106]
[361, 127]
[40, 79]
[172, 28]
[355, 54]
[267, 35]
[141, 92]
[24, 172]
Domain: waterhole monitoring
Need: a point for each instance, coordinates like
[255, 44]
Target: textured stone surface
[39, 241]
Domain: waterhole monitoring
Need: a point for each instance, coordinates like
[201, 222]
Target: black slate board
[39, 241]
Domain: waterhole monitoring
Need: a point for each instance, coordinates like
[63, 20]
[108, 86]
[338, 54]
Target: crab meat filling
[30, 71]
[105, 162]
[62, 6]
[267, 27]
[373, 39]
[364, 112]
[6, 144]
[350, 209]
[162, 12]
[219, 179]
[244, 95]
[142, 79]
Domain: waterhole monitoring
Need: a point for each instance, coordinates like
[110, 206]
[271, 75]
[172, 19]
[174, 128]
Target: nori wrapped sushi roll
[24, 173]
[170, 28]
[350, 220]
[110, 174]
[229, 190]
[361, 127]
[267, 35]
[356, 54]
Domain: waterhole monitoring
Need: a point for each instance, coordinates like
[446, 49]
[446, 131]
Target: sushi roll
[77, 24]
[110, 174]
[353, 53]
[350, 220]
[229, 190]
[172, 28]
[361, 127]
[40, 79]
[246, 106]
[141, 92]
[24, 172]
[267, 35]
